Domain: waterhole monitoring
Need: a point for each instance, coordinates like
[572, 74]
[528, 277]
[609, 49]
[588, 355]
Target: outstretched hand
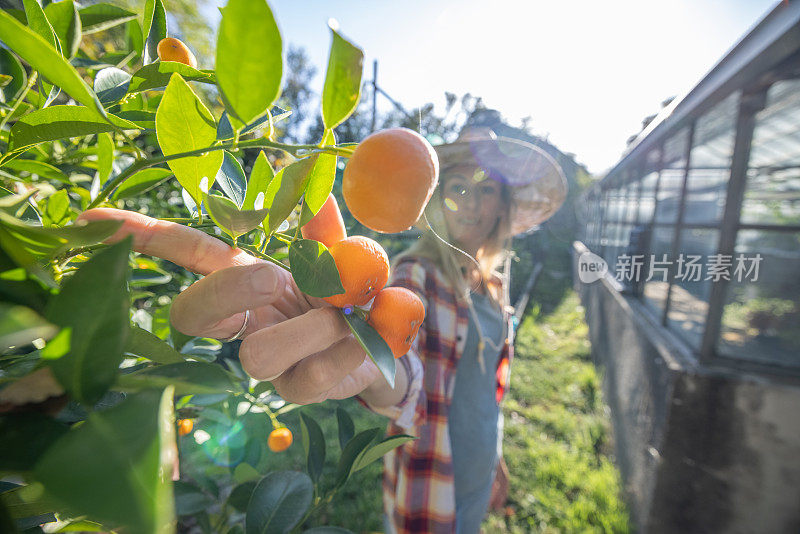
[300, 343]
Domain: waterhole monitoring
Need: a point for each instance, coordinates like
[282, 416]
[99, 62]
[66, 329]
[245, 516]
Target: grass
[557, 433]
[557, 440]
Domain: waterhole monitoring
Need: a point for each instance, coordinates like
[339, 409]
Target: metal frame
[771, 52]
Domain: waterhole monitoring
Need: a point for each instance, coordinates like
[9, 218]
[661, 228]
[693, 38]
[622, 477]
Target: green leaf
[49, 242]
[142, 119]
[188, 378]
[99, 17]
[183, 124]
[66, 22]
[10, 65]
[19, 206]
[94, 304]
[142, 343]
[320, 180]
[37, 21]
[249, 59]
[141, 182]
[346, 427]
[13, 249]
[39, 168]
[20, 325]
[155, 29]
[245, 472]
[133, 444]
[278, 502]
[24, 438]
[225, 129]
[156, 75]
[260, 177]
[313, 445]
[352, 450]
[231, 178]
[313, 269]
[57, 211]
[105, 156]
[342, 89]
[135, 41]
[327, 530]
[374, 344]
[60, 122]
[43, 57]
[240, 496]
[26, 501]
[377, 451]
[230, 218]
[111, 84]
[190, 499]
[285, 190]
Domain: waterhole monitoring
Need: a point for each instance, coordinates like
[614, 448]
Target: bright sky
[586, 71]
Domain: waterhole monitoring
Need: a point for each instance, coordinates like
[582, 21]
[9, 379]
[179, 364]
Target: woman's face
[472, 205]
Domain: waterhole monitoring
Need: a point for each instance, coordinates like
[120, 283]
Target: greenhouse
[695, 321]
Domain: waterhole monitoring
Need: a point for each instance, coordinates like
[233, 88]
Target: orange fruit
[397, 314]
[171, 49]
[389, 179]
[185, 426]
[363, 267]
[327, 226]
[279, 439]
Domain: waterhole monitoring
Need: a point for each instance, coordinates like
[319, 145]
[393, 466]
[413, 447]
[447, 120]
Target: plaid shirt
[418, 490]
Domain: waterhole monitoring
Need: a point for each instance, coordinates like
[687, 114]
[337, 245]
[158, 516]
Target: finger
[314, 377]
[270, 351]
[357, 381]
[187, 247]
[214, 306]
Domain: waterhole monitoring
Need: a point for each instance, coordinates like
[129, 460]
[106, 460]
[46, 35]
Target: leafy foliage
[92, 373]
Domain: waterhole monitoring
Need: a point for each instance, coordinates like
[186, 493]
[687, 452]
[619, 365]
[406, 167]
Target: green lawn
[557, 432]
[557, 440]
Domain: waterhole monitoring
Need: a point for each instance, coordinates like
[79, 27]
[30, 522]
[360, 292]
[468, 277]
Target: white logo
[591, 267]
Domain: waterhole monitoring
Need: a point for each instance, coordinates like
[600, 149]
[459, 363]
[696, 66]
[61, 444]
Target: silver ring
[238, 334]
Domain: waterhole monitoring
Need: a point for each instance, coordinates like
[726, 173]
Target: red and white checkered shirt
[418, 490]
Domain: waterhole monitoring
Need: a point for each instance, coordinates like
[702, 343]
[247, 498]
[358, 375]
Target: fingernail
[263, 280]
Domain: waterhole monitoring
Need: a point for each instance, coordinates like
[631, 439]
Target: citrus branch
[138, 165]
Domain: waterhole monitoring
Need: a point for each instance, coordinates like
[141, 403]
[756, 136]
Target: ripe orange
[389, 179]
[327, 226]
[363, 267]
[185, 426]
[171, 49]
[397, 314]
[279, 439]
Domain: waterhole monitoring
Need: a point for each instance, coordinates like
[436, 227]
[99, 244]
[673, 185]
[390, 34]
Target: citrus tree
[96, 387]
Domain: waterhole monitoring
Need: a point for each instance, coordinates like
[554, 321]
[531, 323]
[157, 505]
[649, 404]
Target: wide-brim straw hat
[537, 183]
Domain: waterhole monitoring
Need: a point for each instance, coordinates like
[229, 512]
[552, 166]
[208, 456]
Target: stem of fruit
[253, 143]
[254, 401]
[22, 95]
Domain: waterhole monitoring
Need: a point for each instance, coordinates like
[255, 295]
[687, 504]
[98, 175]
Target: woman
[490, 190]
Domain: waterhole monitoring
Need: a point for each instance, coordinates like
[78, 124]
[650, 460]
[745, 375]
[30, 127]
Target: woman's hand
[299, 343]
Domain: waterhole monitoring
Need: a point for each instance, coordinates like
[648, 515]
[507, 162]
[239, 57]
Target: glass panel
[648, 197]
[655, 290]
[772, 195]
[633, 202]
[669, 190]
[712, 152]
[615, 205]
[694, 272]
[762, 309]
